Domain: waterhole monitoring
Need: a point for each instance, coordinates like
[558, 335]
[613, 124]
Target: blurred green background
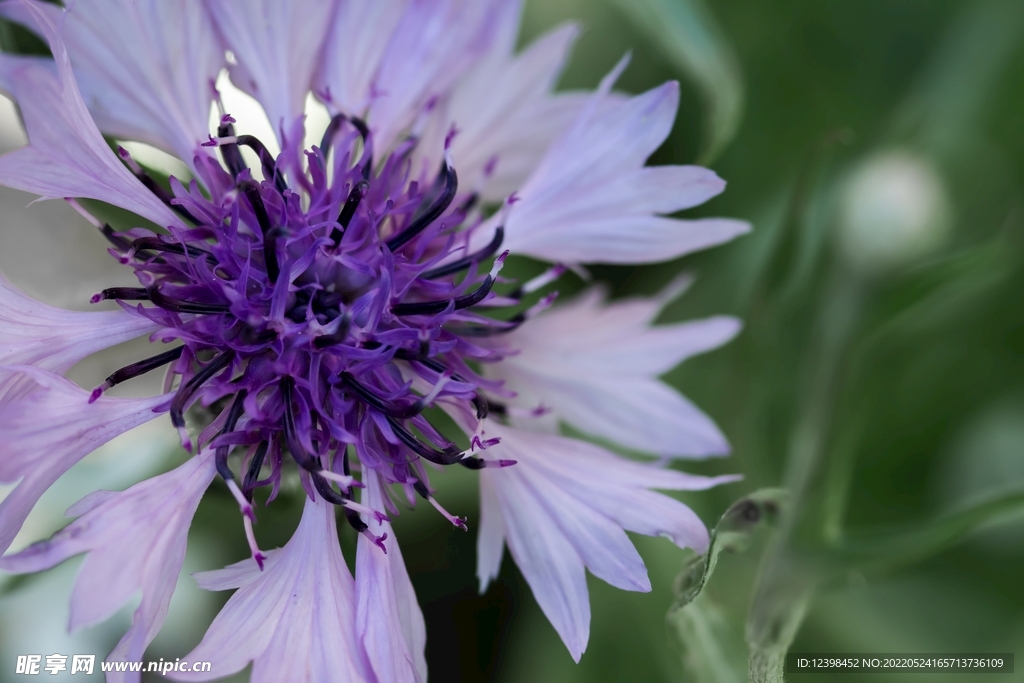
[878, 148]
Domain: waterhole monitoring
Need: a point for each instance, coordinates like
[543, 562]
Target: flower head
[316, 301]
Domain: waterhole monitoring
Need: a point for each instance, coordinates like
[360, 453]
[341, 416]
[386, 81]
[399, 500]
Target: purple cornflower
[308, 306]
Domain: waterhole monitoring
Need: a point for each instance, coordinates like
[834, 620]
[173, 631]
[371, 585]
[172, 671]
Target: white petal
[33, 333]
[66, 156]
[295, 619]
[144, 68]
[388, 617]
[278, 47]
[49, 430]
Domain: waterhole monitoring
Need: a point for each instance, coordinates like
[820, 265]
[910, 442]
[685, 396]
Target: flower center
[319, 311]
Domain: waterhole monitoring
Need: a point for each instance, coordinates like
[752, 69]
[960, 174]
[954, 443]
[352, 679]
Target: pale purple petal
[490, 540]
[388, 618]
[50, 429]
[295, 620]
[618, 487]
[640, 413]
[433, 44]
[601, 543]
[355, 45]
[566, 503]
[591, 200]
[34, 333]
[67, 155]
[277, 46]
[505, 111]
[144, 68]
[235, 575]
[547, 559]
[135, 540]
[596, 366]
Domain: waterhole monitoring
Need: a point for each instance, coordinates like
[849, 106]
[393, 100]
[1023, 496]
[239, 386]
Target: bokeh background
[878, 148]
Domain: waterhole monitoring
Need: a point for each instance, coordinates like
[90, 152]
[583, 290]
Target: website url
[32, 665]
[160, 667]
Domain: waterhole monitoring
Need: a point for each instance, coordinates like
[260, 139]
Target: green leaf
[710, 649]
[686, 32]
[732, 534]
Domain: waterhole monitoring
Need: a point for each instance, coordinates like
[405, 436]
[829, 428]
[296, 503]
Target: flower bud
[893, 209]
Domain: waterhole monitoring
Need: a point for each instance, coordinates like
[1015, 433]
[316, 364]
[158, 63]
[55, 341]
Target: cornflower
[310, 306]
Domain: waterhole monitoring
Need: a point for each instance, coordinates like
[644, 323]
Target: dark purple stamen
[188, 390]
[349, 210]
[387, 408]
[455, 266]
[122, 294]
[451, 186]
[267, 161]
[475, 463]
[119, 242]
[234, 412]
[135, 369]
[252, 475]
[229, 152]
[158, 244]
[154, 294]
[434, 307]
[251, 190]
[150, 183]
[448, 456]
[305, 460]
[327, 140]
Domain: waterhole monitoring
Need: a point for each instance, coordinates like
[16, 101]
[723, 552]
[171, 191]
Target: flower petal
[355, 46]
[280, 619]
[505, 111]
[135, 540]
[547, 559]
[388, 618]
[144, 68]
[49, 430]
[596, 367]
[591, 200]
[565, 505]
[33, 333]
[433, 44]
[490, 540]
[67, 155]
[278, 47]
